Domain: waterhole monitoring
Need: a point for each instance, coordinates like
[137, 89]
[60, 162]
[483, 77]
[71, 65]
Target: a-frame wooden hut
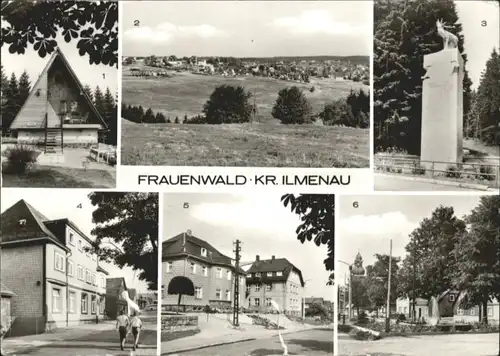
[58, 112]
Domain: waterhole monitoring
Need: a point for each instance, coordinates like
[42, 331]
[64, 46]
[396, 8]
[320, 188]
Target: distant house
[6, 310]
[405, 306]
[274, 279]
[58, 111]
[212, 273]
[115, 303]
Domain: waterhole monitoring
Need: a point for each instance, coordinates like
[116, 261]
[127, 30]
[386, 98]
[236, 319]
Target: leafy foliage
[138, 115]
[180, 285]
[94, 25]
[377, 278]
[405, 31]
[316, 212]
[478, 254]
[130, 220]
[19, 158]
[228, 104]
[10, 101]
[292, 107]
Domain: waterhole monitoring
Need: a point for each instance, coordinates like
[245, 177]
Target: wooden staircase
[53, 140]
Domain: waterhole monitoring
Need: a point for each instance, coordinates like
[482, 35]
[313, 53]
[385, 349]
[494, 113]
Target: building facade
[60, 284]
[274, 279]
[212, 273]
[58, 111]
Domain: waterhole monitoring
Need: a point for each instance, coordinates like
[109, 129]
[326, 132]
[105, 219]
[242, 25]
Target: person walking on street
[122, 324]
[136, 325]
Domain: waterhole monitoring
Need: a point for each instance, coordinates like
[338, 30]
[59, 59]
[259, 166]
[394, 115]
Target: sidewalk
[19, 343]
[211, 338]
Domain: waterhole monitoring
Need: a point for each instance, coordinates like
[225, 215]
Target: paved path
[387, 183]
[439, 345]
[311, 343]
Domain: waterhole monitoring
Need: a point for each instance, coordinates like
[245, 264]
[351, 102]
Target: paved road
[441, 345]
[311, 343]
[386, 183]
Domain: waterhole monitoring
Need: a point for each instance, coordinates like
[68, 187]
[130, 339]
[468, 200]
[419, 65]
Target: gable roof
[57, 55]
[272, 265]
[34, 228]
[114, 286]
[175, 247]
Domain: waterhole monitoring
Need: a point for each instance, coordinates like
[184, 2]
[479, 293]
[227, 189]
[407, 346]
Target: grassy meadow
[264, 143]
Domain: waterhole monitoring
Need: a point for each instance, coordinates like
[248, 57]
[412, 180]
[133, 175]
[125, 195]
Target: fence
[472, 172]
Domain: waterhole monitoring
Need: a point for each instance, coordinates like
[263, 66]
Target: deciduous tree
[292, 107]
[228, 104]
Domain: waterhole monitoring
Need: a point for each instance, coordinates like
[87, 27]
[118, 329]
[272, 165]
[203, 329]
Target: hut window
[74, 107]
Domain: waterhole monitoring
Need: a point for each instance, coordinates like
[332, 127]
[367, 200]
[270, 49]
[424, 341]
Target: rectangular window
[71, 239]
[70, 268]
[64, 107]
[204, 252]
[59, 262]
[269, 274]
[56, 300]
[228, 275]
[84, 305]
[257, 275]
[103, 282]
[473, 311]
[490, 311]
[80, 246]
[79, 273]
[72, 302]
[460, 312]
[279, 274]
[102, 304]
[205, 271]
[219, 272]
[256, 302]
[88, 277]
[93, 304]
[198, 293]
[169, 267]
[228, 294]
[249, 289]
[94, 279]
[269, 287]
[268, 302]
[218, 294]
[193, 268]
[451, 297]
[257, 288]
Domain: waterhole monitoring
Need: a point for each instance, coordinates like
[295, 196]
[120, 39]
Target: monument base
[442, 110]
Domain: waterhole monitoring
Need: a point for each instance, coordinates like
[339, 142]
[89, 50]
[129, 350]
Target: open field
[252, 145]
[186, 93]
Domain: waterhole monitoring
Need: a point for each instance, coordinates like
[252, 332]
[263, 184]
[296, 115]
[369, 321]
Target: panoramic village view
[59, 96]
[70, 270]
[224, 293]
[441, 257]
[246, 84]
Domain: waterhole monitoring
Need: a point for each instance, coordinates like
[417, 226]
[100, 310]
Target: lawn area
[186, 93]
[60, 177]
[240, 145]
[147, 337]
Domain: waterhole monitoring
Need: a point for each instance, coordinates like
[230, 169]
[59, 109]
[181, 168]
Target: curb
[435, 181]
[206, 346]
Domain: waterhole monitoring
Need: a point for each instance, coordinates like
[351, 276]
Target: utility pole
[350, 292]
[388, 311]
[236, 308]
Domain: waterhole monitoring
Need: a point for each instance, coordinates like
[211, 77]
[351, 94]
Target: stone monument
[442, 104]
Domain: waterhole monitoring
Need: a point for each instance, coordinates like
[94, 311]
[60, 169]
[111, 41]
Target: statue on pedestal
[449, 39]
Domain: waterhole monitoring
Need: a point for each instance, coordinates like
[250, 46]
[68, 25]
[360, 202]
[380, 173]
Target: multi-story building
[274, 279]
[115, 303]
[55, 281]
[212, 273]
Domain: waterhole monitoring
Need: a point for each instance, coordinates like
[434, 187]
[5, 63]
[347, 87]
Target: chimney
[272, 258]
[257, 258]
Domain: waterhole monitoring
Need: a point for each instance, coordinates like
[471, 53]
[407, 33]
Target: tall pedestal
[442, 109]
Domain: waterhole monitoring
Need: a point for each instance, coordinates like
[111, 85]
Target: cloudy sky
[67, 207]
[247, 28]
[479, 40]
[261, 222]
[369, 228]
[93, 75]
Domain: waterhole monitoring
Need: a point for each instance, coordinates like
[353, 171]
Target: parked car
[151, 307]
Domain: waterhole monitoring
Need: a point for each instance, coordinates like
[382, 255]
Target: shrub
[112, 161]
[227, 105]
[20, 158]
[292, 107]
[453, 172]
[487, 173]
[418, 170]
